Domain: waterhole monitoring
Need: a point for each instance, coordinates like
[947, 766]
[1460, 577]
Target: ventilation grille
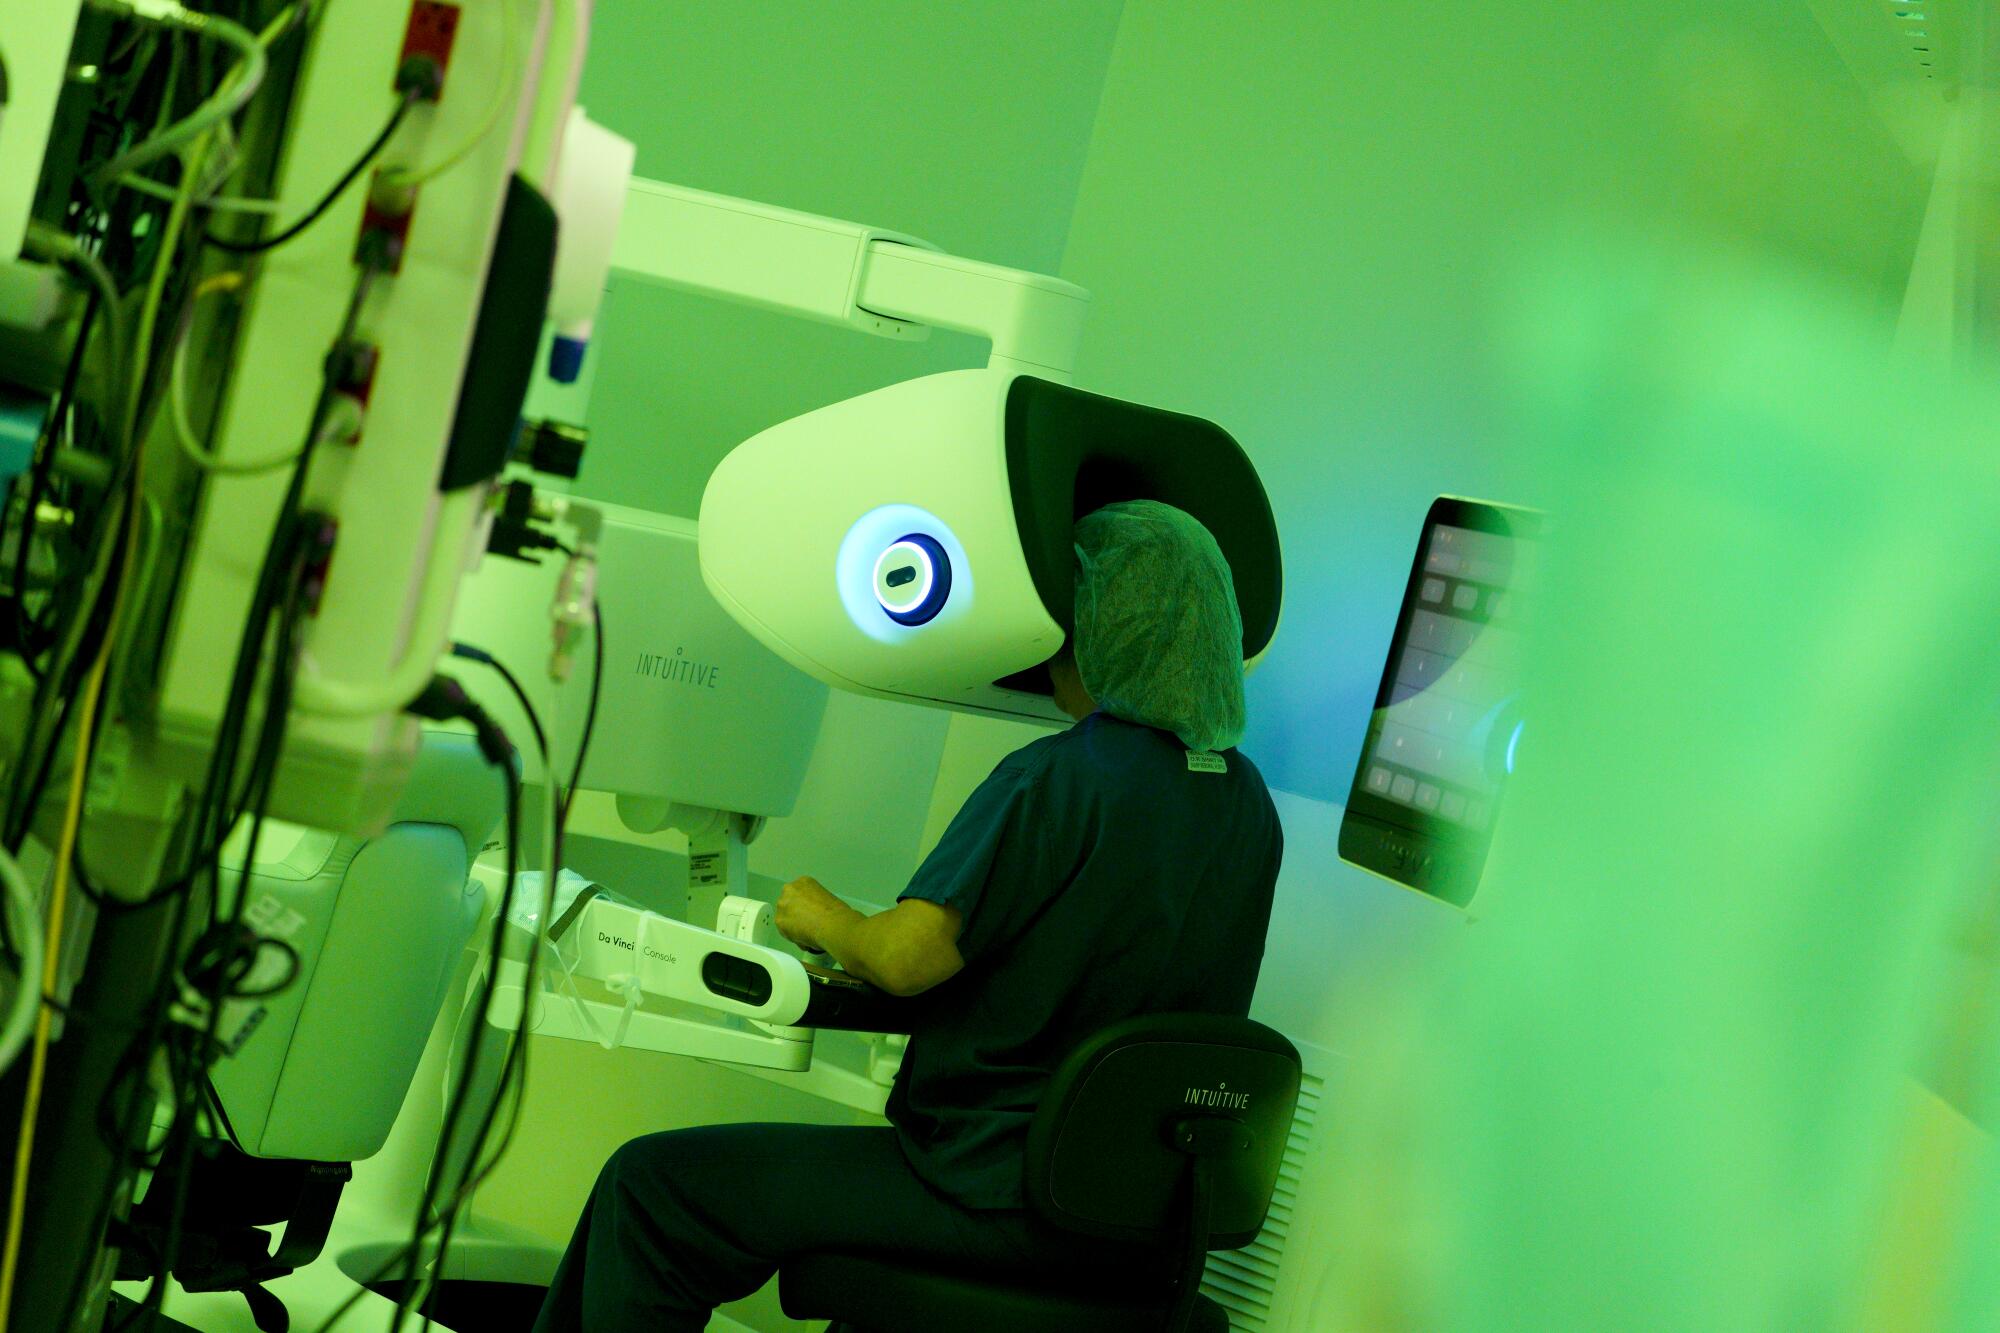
[1920, 29]
[1244, 1282]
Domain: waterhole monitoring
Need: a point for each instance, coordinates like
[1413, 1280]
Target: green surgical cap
[1158, 638]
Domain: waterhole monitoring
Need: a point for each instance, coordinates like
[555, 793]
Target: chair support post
[1194, 1249]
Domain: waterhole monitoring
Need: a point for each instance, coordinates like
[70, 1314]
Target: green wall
[965, 124]
[1330, 226]
[1300, 218]
[1639, 263]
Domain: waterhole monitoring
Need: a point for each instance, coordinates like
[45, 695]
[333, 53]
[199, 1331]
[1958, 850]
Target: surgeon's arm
[905, 951]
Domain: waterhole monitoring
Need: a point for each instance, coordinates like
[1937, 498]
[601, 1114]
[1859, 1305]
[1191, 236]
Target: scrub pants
[681, 1222]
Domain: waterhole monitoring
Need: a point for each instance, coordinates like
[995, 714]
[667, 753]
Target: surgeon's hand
[905, 951]
[806, 908]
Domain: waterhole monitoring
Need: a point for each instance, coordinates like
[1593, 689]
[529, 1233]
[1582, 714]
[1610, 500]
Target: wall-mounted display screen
[1447, 726]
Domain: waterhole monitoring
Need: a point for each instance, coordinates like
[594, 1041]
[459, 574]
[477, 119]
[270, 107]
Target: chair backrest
[1132, 1110]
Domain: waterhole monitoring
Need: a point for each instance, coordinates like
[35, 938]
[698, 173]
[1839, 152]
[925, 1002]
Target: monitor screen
[1447, 725]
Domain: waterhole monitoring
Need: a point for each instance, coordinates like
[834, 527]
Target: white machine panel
[800, 527]
[36, 35]
[694, 709]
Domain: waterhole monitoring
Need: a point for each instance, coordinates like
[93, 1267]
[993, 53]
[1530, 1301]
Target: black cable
[264, 765]
[216, 812]
[213, 820]
[156, 1033]
[88, 599]
[270, 988]
[225, 958]
[97, 568]
[105, 901]
[103, 562]
[191, 1071]
[221, 1114]
[590, 710]
[517, 1055]
[513, 1075]
[475, 654]
[223, 820]
[429, 1213]
[512, 1086]
[514, 1072]
[118, 1132]
[332, 196]
[26, 631]
[427, 1219]
[60, 685]
[215, 808]
[217, 819]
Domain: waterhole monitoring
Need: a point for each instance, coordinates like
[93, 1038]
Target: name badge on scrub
[1204, 761]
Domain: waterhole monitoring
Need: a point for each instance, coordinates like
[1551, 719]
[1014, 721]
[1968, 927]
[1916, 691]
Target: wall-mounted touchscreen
[1447, 727]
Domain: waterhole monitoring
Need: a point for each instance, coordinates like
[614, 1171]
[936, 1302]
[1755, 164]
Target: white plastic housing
[693, 709]
[703, 1035]
[848, 273]
[795, 520]
[402, 546]
[666, 957]
[755, 254]
[36, 36]
[589, 195]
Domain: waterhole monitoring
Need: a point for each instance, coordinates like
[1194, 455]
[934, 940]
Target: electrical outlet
[432, 30]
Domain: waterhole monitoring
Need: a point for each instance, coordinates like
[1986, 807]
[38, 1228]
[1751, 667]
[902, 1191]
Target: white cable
[22, 906]
[45, 242]
[226, 159]
[342, 422]
[214, 203]
[235, 91]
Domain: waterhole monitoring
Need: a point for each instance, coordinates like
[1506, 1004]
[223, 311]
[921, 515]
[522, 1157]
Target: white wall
[965, 124]
[1292, 215]
[1335, 930]
[1938, 316]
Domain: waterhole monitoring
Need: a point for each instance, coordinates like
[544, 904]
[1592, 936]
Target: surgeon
[1123, 866]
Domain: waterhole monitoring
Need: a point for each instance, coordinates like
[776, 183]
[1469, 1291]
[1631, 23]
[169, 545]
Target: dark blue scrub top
[1101, 876]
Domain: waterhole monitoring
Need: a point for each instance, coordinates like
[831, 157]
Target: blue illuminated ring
[913, 579]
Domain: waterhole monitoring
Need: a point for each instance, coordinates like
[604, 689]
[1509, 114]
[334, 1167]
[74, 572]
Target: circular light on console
[913, 579]
[880, 574]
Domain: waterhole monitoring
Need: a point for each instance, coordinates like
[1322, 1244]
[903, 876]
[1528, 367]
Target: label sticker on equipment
[1202, 761]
